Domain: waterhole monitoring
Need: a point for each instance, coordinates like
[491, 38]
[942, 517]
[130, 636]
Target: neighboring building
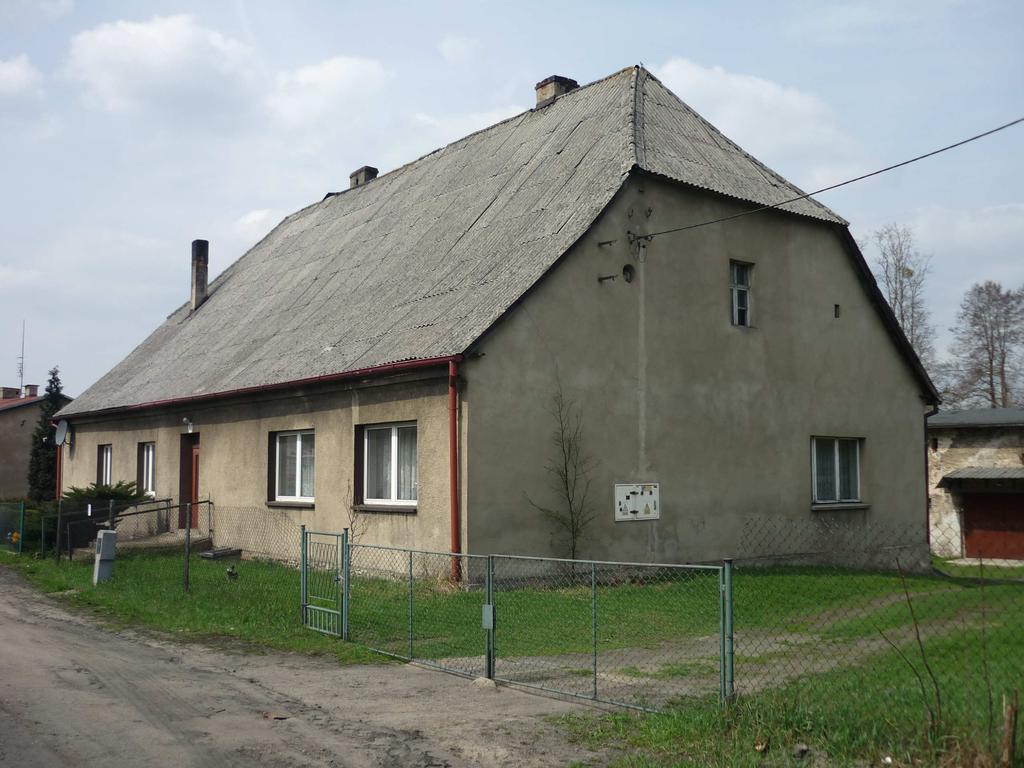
[394, 349]
[19, 415]
[976, 483]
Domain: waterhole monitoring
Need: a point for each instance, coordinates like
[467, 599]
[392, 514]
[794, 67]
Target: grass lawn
[860, 713]
[813, 636]
[260, 607]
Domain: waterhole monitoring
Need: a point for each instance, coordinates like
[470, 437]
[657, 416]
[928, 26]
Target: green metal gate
[322, 582]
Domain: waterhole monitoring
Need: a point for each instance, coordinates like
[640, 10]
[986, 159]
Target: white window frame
[106, 464]
[148, 469]
[814, 469]
[394, 500]
[298, 465]
[736, 288]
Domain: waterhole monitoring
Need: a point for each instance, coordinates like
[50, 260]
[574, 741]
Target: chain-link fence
[634, 634]
[12, 525]
[417, 605]
[880, 617]
[836, 612]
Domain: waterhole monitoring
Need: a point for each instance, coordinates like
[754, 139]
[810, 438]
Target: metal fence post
[302, 573]
[56, 544]
[346, 581]
[110, 515]
[728, 634]
[410, 604]
[339, 566]
[593, 622]
[721, 634]
[489, 597]
[188, 544]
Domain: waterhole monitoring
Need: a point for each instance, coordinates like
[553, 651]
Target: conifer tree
[42, 465]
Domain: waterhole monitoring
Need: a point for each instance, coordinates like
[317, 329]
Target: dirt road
[74, 693]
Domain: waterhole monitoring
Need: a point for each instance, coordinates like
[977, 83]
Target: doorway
[188, 485]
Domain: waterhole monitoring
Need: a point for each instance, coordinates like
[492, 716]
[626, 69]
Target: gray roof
[978, 417]
[986, 473]
[420, 262]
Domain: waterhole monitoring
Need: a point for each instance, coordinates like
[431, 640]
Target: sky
[128, 129]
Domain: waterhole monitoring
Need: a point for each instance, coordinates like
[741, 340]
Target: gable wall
[16, 427]
[671, 392]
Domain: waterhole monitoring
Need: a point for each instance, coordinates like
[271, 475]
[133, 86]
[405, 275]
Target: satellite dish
[62, 432]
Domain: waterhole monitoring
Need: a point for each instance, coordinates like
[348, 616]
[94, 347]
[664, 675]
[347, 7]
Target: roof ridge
[477, 132]
[712, 130]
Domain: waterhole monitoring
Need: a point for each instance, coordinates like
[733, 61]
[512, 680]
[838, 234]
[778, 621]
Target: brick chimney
[550, 87]
[31, 390]
[361, 176]
[200, 268]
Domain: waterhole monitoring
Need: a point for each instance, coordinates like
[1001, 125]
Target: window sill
[839, 505]
[385, 509]
[291, 504]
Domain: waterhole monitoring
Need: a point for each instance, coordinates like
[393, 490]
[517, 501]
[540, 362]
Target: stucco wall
[234, 454]
[955, 449]
[16, 427]
[671, 392]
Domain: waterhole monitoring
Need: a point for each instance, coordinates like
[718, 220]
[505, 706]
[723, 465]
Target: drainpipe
[453, 465]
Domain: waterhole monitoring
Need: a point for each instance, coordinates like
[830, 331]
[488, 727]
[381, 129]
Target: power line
[649, 235]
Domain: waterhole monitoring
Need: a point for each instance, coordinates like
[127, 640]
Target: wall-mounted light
[188, 424]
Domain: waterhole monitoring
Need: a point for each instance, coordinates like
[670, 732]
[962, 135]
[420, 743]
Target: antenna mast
[21, 362]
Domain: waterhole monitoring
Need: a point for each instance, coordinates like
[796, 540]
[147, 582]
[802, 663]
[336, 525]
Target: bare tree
[357, 522]
[570, 471]
[986, 355]
[901, 272]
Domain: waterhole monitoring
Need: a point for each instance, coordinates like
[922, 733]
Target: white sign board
[637, 501]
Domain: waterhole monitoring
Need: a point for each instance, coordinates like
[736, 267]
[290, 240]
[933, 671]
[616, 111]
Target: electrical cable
[650, 235]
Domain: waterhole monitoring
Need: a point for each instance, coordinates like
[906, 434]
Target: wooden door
[188, 481]
[994, 525]
[195, 484]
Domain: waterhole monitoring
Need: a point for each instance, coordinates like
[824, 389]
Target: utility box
[637, 501]
[106, 546]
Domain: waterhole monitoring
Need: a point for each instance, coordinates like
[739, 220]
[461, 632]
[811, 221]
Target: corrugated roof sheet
[979, 417]
[423, 260]
[986, 473]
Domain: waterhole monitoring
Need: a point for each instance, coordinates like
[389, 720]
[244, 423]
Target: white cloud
[303, 95]
[794, 132]
[456, 50]
[169, 63]
[18, 77]
[252, 226]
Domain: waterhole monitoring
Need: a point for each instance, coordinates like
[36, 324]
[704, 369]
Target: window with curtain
[147, 468]
[836, 469]
[104, 460]
[739, 278]
[389, 457]
[295, 466]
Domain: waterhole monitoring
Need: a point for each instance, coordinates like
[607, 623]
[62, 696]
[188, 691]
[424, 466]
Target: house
[976, 483]
[393, 351]
[19, 415]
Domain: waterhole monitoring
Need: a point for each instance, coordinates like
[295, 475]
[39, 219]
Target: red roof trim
[378, 370]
